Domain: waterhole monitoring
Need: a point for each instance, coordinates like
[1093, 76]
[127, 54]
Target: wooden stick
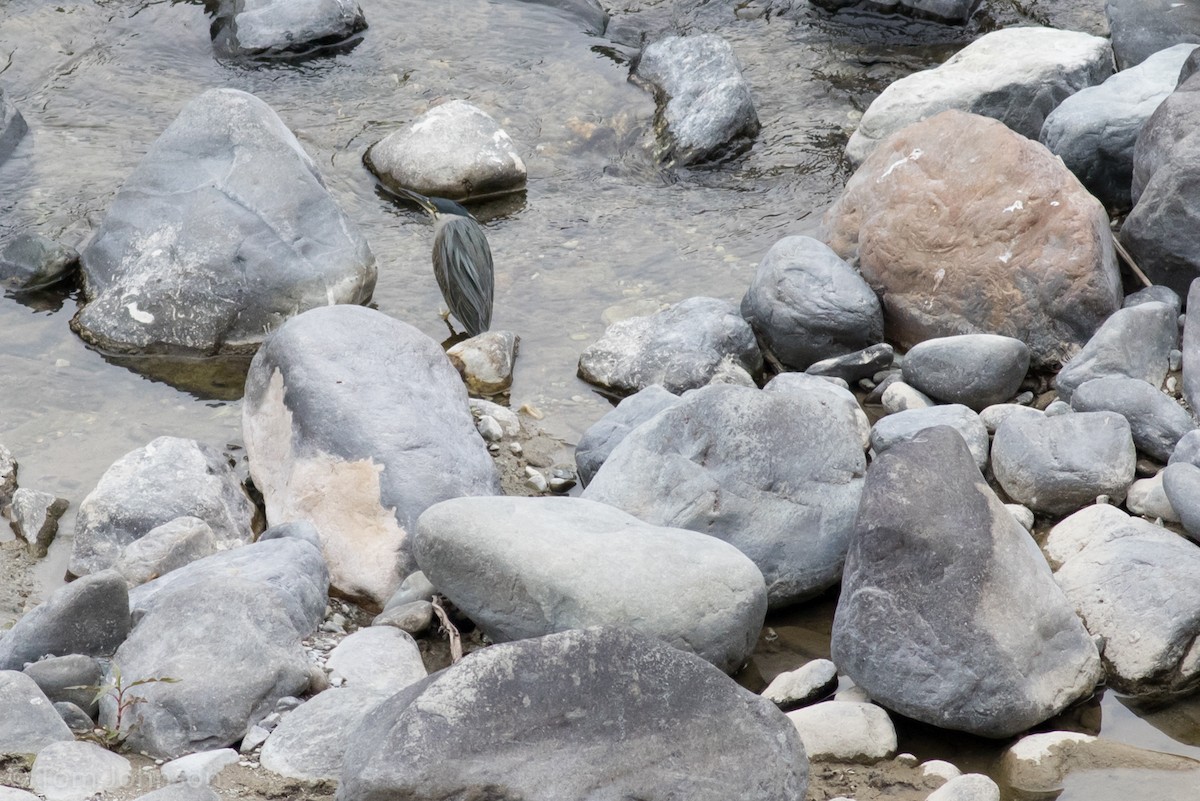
[456, 649]
[1124, 254]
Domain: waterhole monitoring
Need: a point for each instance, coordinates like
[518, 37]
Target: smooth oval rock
[524, 567]
[918, 629]
[790, 509]
[222, 232]
[1156, 421]
[806, 304]
[705, 106]
[167, 479]
[575, 715]
[976, 370]
[358, 423]
[964, 227]
[1014, 75]
[1055, 465]
[454, 150]
[1181, 484]
[273, 29]
[680, 347]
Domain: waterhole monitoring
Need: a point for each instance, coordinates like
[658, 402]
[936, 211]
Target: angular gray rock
[1133, 342]
[721, 454]
[169, 478]
[202, 252]
[357, 423]
[705, 111]
[845, 731]
[454, 150]
[165, 548]
[30, 722]
[576, 715]
[1141, 28]
[32, 262]
[78, 721]
[272, 29]
[976, 370]
[606, 433]
[310, 742]
[919, 631]
[680, 347]
[58, 677]
[903, 426]
[289, 570]
[88, 616]
[1094, 130]
[35, 517]
[382, 659]
[413, 617]
[230, 647]
[1014, 75]
[806, 304]
[1181, 484]
[1137, 585]
[1055, 465]
[1156, 421]
[77, 771]
[855, 366]
[512, 565]
[12, 126]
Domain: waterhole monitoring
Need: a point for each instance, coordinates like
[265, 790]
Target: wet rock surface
[273, 29]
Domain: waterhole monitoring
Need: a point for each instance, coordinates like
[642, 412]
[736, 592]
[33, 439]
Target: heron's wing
[462, 264]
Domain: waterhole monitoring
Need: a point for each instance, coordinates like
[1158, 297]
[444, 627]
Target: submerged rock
[1004, 239]
[454, 150]
[680, 347]
[31, 262]
[945, 10]
[358, 422]
[1014, 75]
[12, 126]
[145, 488]
[691, 591]
[223, 231]
[778, 475]
[919, 631]
[576, 715]
[271, 29]
[705, 109]
[806, 304]
[1038, 765]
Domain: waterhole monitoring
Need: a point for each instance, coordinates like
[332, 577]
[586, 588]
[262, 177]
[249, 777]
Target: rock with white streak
[454, 150]
[802, 686]
[1015, 75]
[1038, 765]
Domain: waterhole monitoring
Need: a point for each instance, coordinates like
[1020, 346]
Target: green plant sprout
[113, 737]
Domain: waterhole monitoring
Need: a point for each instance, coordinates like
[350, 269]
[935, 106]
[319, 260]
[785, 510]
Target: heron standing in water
[462, 261]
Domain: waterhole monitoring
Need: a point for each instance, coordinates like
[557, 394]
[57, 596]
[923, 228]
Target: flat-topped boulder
[357, 423]
[223, 231]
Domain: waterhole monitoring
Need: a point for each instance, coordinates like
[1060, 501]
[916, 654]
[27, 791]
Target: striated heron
[462, 260]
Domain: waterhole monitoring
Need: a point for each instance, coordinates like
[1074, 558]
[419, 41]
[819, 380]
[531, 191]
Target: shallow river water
[601, 233]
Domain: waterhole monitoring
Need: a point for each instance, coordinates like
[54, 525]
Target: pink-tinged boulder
[964, 227]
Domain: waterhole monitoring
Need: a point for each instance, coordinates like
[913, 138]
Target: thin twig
[456, 651]
[1124, 254]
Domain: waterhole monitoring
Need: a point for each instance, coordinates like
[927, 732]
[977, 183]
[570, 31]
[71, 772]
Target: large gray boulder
[581, 714]
[976, 370]
[704, 106]
[606, 433]
[231, 650]
[680, 347]
[1094, 130]
[271, 29]
[88, 616]
[1056, 464]
[1134, 342]
[222, 232]
[776, 474]
[145, 488]
[1141, 28]
[358, 422]
[806, 304]
[30, 722]
[290, 570]
[1137, 585]
[12, 126]
[1014, 75]
[454, 150]
[918, 629]
[1156, 421]
[513, 565]
[835, 394]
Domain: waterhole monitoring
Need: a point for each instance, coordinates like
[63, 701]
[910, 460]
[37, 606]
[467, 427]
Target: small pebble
[493, 449]
[489, 429]
[515, 447]
[1172, 385]
[1058, 407]
[1025, 398]
[1175, 358]
[535, 480]
[866, 384]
